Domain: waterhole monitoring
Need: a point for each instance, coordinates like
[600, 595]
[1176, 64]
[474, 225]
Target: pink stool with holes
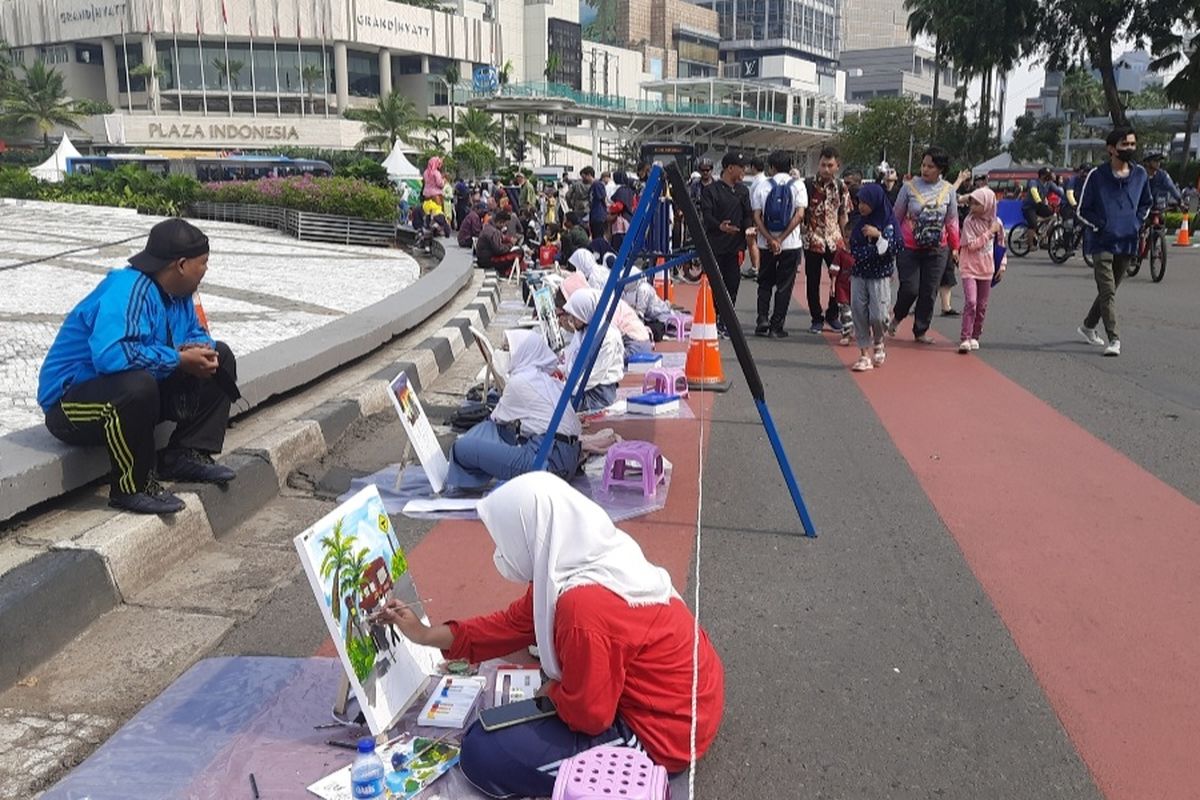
[644, 454]
[666, 380]
[679, 325]
[606, 772]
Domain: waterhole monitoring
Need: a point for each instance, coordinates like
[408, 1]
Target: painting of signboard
[354, 564]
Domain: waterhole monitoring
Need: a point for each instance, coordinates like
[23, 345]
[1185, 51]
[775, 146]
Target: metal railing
[303, 225]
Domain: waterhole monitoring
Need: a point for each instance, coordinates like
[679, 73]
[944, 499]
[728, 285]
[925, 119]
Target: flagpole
[275, 45]
[228, 73]
[178, 76]
[200, 45]
[299, 58]
[324, 62]
[125, 56]
[253, 82]
[153, 88]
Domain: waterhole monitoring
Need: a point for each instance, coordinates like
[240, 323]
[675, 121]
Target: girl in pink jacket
[977, 264]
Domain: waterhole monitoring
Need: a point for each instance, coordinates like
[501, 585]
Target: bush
[342, 196]
[18, 183]
[90, 107]
[126, 187]
[368, 170]
[1174, 221]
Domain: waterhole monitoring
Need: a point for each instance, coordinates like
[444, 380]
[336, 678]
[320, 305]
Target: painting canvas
[354, 563]
[420, 433]
[543, 304]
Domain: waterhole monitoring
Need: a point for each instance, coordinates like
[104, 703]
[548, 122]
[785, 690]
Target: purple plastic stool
[644, 454]
[666, 380]
[679, 325]
[608, 772]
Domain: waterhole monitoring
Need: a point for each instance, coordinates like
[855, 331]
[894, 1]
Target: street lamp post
[1067, 139]
[453, 121]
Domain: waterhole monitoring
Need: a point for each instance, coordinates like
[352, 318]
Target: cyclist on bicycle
[1035, 202]
[1072, 188]
[1162, 188]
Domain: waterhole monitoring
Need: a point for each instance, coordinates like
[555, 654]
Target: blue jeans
[490, 452]
[522, 760]
[599, 397]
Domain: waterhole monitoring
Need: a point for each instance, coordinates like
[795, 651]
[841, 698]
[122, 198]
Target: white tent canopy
[400, 168]
[54, 168]
[1002, 161]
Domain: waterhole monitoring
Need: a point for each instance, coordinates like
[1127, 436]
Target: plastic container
[366, 775]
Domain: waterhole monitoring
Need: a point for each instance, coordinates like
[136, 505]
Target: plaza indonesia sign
[221, 131]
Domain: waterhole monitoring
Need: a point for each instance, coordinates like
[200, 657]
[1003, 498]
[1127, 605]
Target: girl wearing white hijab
[613, 636]
[609, 367]
[585, 263]
[506, 445]
[646, 303]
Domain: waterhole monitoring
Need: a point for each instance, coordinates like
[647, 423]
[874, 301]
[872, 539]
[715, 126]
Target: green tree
[353, 573]
[883, 131]
[393, 118]
[553, 67]
[475, 157]
[1181, 48]
[1150, 97]
[505, 73]
[940, 19]
[603, 27]
[436, 128]
[1081, 93]
[230, 70]
[1036, 140]
[338, 549]
[478, 125]
[453, 76]
[310, 74]
[40, 99]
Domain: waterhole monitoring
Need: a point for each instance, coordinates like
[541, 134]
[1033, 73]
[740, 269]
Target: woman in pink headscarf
[977, 262]
[435, 182]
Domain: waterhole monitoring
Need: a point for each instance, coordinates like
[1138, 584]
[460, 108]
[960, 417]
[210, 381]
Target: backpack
[929, 223]
[778, 209]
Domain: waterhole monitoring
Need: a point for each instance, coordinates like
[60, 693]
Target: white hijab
[585, 261]
[609, 366]
[532, 393]
[550, 535]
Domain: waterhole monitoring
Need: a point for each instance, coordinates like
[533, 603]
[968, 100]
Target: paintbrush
[373, 616]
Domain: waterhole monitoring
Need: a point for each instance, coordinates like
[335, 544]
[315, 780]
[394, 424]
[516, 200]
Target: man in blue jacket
[1113, 204]
[133, 353]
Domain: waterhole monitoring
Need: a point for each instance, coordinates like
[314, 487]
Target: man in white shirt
[754, 176]
[778, 205]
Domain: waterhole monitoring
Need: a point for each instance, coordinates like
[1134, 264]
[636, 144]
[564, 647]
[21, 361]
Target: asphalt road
[870, 662]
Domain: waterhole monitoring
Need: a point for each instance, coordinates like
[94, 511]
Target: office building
[904, 71]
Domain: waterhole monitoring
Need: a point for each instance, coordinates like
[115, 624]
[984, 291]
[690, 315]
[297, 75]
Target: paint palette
[452, 701]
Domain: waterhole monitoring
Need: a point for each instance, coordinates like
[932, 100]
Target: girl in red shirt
[614, 638]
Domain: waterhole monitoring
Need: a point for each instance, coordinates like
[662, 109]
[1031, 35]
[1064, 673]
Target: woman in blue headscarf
[873, 243]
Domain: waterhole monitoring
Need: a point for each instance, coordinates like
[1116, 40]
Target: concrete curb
[35, 467]
[126, 553]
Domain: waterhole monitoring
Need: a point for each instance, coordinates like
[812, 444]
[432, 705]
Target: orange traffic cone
[663, 287]
[200, 315]
[1184, 237]
[703, 367]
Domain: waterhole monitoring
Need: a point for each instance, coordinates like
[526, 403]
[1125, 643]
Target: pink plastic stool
[666, 380]
[679, 325]
[607, 772]
[644, 454]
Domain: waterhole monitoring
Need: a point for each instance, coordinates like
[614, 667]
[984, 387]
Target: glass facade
[363, 72]
[809, 26]
[566, 41]
[298, 72]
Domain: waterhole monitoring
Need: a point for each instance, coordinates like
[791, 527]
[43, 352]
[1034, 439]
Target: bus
[206, 169]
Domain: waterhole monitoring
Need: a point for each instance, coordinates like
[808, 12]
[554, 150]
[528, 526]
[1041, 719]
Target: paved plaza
[262, 286]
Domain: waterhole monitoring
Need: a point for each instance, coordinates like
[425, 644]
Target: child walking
[873, 243]
[977, 263]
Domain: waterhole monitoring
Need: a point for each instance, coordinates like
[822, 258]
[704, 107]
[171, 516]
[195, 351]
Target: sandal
[863, 365]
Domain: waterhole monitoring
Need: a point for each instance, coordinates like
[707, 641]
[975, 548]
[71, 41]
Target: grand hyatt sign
[222, 131]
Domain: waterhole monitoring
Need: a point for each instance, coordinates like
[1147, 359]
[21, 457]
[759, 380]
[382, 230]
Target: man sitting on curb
[133, 353]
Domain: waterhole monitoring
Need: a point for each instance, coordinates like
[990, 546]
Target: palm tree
[479, 125]
[1081, 93]
[229, 70]
[435, 127]
[392, 118]
[309, 75]
[932, 18]
[453, 76]
[39, 99]
[353, 573]
[1184, 88]
[553, 65]
[146, 70]
[338, 548]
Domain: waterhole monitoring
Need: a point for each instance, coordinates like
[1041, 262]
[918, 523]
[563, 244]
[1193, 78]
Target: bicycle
[1065, 239]
[1152, 246]
[1018, 236]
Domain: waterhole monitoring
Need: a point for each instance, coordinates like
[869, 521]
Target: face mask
[1127, 155]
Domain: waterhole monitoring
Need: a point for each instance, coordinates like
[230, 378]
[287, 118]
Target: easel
[648, 238]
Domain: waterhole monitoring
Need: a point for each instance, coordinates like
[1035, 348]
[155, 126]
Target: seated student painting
[609, 367]
[506, 444]
[132, 354]
[645, 302]
[586, 264]
[614, 638]
[493, 248]
[636, 335]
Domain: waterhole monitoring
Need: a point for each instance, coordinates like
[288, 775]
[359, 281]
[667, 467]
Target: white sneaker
[974, 344]
[965, 346]
[1090, 336]
[1114, 348]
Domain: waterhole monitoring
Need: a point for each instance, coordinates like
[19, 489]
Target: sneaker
[722, 332]
[964, 346]
[1114, 348]
[750, 274]
[845, 340]
[950, 312]
[778, 333]
[816, 327]
[835, 325]
[1090, 336]
[192, 466]
[974, 344]
[762, 326]
[152, 500]
[891, 327]
[925, 338]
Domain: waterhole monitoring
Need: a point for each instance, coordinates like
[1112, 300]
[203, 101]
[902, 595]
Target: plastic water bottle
[366, 776]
